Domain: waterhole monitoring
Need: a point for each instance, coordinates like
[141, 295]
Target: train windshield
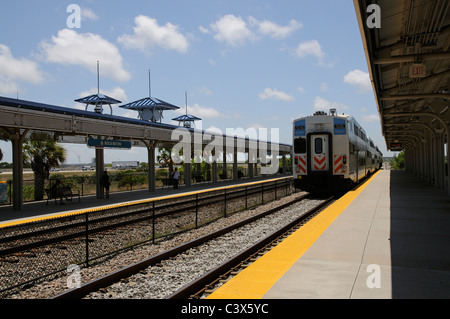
[318, 145]
[299, 145]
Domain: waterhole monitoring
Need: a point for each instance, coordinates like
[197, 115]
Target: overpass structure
[19, 118]
[406, 43]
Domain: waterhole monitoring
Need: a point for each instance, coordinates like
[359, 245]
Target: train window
[318, 145]
[300, 145]
[352, 149]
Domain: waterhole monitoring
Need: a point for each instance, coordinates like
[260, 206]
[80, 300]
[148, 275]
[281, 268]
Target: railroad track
[130, 278]
[42, 249]
[207, 283]
[58, 232]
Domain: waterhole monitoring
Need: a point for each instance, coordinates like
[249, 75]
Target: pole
[185, 98]
[149, 84]
[98, 77]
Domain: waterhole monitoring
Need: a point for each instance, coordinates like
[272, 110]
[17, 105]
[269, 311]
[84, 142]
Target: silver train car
[331, 153]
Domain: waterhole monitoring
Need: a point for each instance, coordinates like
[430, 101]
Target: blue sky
[243, 63]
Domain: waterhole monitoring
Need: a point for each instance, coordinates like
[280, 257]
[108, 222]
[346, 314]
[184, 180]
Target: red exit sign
[417, 71]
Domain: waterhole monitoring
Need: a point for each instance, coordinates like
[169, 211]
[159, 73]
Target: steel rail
[197, 286]
[107, 280]
[216, 198]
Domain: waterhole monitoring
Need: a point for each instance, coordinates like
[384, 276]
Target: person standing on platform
[176, 177]
[105, 182]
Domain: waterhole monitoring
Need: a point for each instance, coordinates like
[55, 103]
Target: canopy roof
[186, 117]
[149, 103]
[98, 98]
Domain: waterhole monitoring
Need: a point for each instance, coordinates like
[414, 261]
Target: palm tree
[165, 156]
[3, 137]
[43, 153]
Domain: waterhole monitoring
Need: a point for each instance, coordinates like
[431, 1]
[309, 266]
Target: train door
[320, 153]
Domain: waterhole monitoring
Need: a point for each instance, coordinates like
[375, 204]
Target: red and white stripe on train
[331, 152]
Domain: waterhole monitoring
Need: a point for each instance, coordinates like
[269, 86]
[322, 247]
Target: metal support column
[17, 140]
[214, 167]
[224, 170]
[99, 168]
[440, 161]
[151, 167]
[187, 173]
[250, 170]
[235, 164]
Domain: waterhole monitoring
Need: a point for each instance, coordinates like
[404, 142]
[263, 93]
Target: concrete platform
[391, 241]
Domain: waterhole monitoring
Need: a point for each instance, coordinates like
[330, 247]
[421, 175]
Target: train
[331, 153]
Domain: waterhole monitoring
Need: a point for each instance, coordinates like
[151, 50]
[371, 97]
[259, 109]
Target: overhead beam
[405, 85]
[411, 58]
[415, 96]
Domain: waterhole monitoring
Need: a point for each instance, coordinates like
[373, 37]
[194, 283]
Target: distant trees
[399, 161]
[43, 153]
[165, 156]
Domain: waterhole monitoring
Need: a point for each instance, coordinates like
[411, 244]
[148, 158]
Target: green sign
[92, 142]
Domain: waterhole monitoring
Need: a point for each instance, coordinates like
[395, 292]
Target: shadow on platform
[419, 238]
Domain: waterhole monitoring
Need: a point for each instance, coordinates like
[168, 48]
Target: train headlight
[344, 159]
[296, 160]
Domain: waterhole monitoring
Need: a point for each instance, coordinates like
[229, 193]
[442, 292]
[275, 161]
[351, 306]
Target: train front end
[320, 153]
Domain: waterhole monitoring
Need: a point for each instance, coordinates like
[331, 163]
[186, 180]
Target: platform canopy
[150, 108]
[407, 48]
[98, 100]
[187, 119]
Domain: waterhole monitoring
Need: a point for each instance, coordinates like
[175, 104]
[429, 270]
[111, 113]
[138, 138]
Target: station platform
[388, 239]
[34, 211]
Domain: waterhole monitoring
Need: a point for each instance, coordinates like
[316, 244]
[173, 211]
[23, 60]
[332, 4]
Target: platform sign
[98, 143]
[339, 126]
[417, 71]
[300, 128]
[395, 147]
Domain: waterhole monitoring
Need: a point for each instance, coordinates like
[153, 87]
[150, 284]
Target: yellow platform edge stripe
[143, 201]
[254, 281]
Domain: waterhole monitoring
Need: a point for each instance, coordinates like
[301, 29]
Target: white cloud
[148, 33]
[323, 87]
[213, 130]
[358, 78]
[235, 31]
[321, 104]
[232, 30]
[205, 90]
[13, 70]
[117, 93]
[87, 13]
[200, 111]
[301, 89]
[269, 93]
[274, 30]
[310, 48]
[204, 30]
[71, 47]
[371, 118]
